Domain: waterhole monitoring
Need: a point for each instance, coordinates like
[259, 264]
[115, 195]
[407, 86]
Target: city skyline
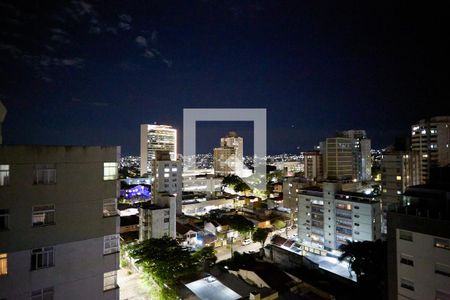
[336, 68]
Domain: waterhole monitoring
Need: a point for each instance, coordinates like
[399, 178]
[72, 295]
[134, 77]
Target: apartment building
[419, 245]
[362, 161]
[431, 139]
[59, 226]
[156, 138]
[399, 170]
[229, 157]
[313, 165]
[338, 158]
[328, 217]
[157, 218]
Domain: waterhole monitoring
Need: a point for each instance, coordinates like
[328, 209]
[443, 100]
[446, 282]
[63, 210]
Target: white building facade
[328, 218]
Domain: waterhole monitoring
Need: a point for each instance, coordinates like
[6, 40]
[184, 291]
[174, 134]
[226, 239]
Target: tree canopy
[260, 235]
[278, 224]
[369, 262]
[240, 224]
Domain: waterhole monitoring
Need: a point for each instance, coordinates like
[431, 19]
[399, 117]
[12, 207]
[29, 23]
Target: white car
[246, 242]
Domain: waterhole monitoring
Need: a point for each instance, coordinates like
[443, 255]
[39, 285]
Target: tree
[241, 224]
[368, 260]
[164, 259]
[260, 235]
[206, 256]
[278, 224]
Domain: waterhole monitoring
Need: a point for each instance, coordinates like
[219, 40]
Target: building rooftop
[211, 288]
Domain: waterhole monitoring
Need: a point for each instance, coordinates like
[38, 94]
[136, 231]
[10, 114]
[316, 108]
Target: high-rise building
[229, 157]
[338, 158]
[418, 240]
[2, 118]
[157, 218]
[313, 166]
[362, 162]
[330, 217]
[59, 225]
[167, 178]
[399, 170]
[156, 138]
[431, 139]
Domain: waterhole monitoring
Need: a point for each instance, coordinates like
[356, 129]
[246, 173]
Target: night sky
[89, 72]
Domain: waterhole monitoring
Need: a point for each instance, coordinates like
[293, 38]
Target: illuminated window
[166, 169]
[111, 244]
[174, 169]
[43, 215]
[110, 171]
[42, 258]
[4, 175]
[166, 175]
[43, 294]
[109, 280]
[3, 264]
[110, 207]
[442, 243]
[399, 178]
[45, 174]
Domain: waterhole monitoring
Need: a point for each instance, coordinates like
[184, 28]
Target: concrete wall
[79, 227]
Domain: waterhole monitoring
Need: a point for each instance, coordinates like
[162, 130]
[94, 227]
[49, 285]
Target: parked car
[246, 242]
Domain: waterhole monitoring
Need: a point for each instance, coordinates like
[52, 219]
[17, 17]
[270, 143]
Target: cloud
[124, 26]
[111, 30]
[126, 18]
[99, 103]
[14, 51]
[91, 103]
[142, 41]
[154, 37]
[167, 62]
[95, 30]
[149, 54]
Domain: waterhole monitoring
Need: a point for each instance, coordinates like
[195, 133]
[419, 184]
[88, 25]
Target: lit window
[43, 294]
[166, 169]
[109, 280]
[43, 215]
[110, 207]
[3, 264]
[423, 131]
[110, 171]
[174, 169]
[399, 192]
[42, 258]
[425, 155]
[4, 219]
[45, 174]
[111, 244]
[4, 175]
[442, 243]
[166, 175]
[398, 177]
